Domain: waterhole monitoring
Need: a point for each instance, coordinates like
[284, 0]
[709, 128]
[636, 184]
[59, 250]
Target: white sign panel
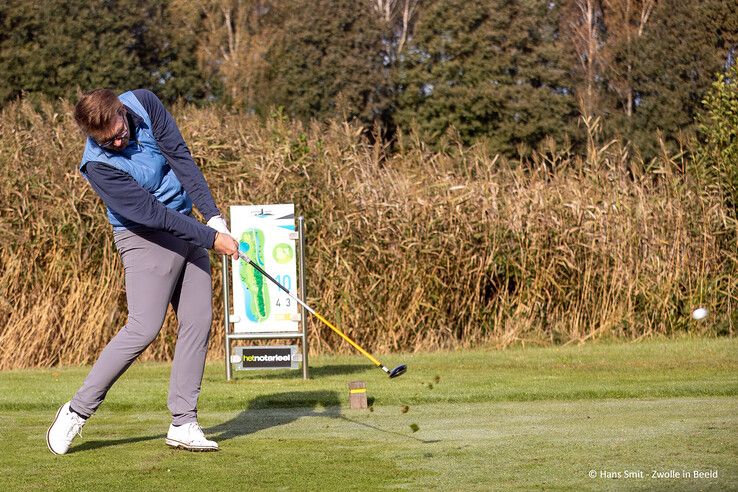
[264, 233]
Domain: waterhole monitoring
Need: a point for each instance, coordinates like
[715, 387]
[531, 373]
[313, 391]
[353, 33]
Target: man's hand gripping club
[224, 244]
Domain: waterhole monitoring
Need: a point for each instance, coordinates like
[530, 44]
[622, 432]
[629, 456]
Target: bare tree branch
[585, 37]
[399, 16]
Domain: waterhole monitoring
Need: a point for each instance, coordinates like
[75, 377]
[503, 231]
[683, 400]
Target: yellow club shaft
[354, 344]
[369, 356]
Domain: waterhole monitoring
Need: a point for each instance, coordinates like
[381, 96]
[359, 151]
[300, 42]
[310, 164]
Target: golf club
[397, 371]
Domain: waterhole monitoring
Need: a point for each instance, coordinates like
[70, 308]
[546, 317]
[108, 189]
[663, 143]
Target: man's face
[118, 136]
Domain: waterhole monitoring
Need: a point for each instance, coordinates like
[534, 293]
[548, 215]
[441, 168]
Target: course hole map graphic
[264, 234]
[256, 287]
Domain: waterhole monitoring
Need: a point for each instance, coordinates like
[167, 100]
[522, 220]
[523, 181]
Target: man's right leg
[153, 262]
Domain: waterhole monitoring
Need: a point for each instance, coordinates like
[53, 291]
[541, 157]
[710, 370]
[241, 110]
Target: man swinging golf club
[137, 162]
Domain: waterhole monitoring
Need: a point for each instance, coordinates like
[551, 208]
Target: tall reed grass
[409, 250]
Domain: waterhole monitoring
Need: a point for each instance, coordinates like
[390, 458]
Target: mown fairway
[533, 418]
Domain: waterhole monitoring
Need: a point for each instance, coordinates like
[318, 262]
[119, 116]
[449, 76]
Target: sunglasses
[123, 133]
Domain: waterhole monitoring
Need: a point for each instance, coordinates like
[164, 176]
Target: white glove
[216, 222]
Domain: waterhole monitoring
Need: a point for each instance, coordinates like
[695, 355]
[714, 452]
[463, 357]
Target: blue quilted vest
[143, 160]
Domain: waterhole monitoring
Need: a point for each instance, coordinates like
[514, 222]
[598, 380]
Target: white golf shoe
[190, 437]
[65, 427]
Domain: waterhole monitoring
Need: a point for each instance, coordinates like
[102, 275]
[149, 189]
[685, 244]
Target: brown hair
[96, 111]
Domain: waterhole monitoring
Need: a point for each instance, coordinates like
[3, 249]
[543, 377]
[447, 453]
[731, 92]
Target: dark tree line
[504, 72]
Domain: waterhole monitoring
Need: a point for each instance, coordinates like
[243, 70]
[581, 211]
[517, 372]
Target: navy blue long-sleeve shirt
[122, 193]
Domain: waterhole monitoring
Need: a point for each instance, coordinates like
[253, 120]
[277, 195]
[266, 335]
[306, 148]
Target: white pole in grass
[303, 313]
[226, 321]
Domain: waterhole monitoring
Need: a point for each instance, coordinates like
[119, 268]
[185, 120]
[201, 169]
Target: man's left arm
[173, 146]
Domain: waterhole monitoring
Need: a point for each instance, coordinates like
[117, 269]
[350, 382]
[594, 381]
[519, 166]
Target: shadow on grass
[90, 445]
[282, 408]
[385, 431]
[315, 372]
[262, 413]
[278, 409]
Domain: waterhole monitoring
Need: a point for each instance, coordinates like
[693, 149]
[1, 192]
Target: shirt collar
[133, 118]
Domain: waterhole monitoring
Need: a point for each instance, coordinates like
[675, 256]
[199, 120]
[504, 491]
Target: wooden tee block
[357, 395]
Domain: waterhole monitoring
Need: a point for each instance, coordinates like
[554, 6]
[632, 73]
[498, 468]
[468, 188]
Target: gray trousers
[159, 268]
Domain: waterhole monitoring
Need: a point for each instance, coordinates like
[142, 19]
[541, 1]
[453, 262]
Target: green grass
[534, 418]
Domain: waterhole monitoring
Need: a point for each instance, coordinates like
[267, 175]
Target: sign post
[261, 310]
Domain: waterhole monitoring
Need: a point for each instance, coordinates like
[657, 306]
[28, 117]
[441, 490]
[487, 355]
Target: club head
[398, 371]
